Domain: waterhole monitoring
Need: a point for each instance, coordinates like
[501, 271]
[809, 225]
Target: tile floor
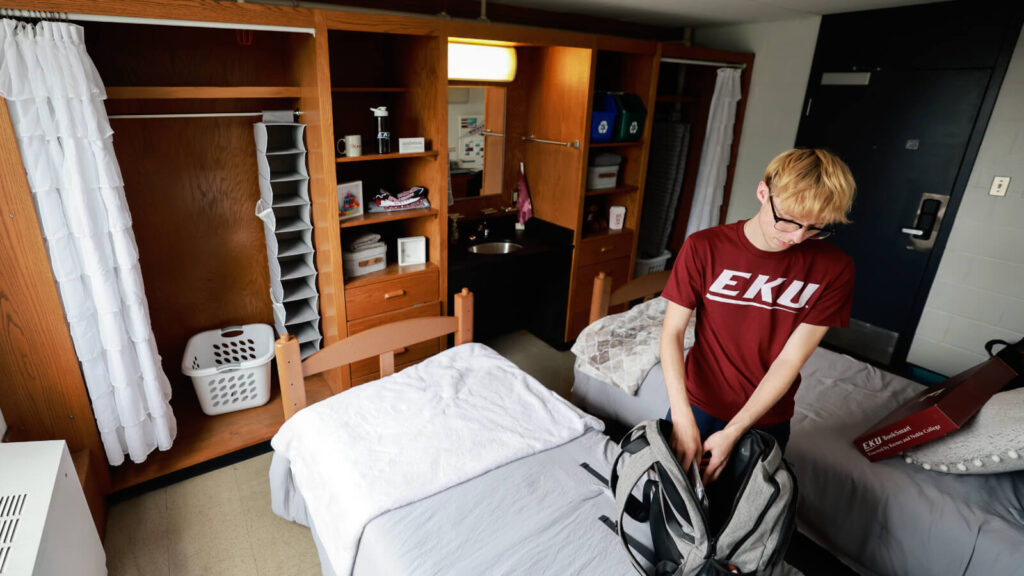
[220, 523]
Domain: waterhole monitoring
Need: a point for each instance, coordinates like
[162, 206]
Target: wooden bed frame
[381, 341]
[644, 287]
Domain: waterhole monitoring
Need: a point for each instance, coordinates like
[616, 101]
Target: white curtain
[714, 158]
[55, 97]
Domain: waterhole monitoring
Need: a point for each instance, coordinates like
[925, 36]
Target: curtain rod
[62, 16]
[739, 65]
[192, 115]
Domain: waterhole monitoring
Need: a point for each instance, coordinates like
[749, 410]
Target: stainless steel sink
[495, 247]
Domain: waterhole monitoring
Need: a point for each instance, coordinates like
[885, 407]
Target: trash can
[602, 118]
[629, 123]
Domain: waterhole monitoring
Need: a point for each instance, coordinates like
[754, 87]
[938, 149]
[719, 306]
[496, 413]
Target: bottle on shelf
[383, 135]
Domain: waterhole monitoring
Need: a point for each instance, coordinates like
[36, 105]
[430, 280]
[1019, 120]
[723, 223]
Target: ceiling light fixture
[481, 62]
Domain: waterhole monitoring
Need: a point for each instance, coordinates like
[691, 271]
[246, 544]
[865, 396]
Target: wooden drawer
[583, 291]
[388, 295]
[366, 370]
[605, 247]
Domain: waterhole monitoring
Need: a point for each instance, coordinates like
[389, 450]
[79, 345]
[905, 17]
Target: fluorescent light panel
[481, 62]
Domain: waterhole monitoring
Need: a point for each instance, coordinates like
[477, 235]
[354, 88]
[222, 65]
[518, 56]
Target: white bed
[462, 464]
[886, 518]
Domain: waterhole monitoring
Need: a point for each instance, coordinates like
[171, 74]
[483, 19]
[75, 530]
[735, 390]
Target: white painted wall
[782, 64]
[978, 292]
[3, 427]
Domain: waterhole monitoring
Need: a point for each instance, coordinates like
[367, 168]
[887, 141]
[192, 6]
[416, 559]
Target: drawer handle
[607, 249]
[395, 294]
[401, 351]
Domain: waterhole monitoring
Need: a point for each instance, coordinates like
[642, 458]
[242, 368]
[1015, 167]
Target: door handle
[926, 222]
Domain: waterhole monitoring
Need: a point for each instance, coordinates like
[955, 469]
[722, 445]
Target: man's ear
[762, 192]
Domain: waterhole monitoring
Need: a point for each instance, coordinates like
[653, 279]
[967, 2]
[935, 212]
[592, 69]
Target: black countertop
[539, 237]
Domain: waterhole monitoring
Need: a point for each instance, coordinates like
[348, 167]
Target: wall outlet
[999, 186]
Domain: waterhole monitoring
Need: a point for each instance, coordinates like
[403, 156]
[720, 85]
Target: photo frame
[412, 250]
[350, 199]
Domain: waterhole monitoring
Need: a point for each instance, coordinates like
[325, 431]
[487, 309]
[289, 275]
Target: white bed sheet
[537, 515]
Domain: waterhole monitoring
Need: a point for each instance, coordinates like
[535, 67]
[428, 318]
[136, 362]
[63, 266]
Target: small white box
[616, 217]
[412, 250]
[602, 177]
[364, 261]
[409, 145]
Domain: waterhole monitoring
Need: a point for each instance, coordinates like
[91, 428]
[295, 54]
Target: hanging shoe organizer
[285, 211]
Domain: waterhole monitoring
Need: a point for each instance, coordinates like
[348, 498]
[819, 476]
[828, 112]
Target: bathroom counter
[525, 289]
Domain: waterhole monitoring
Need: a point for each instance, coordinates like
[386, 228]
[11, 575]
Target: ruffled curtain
[55, 97]
[714, 157]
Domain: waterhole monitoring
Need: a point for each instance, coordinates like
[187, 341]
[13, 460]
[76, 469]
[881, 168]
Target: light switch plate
[999, 186]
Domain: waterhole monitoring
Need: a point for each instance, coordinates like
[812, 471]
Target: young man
[765, 291]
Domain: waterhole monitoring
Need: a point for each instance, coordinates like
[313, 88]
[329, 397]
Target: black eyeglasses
[784, 225]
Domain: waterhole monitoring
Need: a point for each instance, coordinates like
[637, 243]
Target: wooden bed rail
[644, 287]
[381, 341]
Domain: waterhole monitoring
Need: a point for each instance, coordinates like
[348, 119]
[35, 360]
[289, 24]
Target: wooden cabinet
[398, 63]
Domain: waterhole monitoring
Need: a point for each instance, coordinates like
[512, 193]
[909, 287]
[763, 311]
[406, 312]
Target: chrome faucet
[482, 232]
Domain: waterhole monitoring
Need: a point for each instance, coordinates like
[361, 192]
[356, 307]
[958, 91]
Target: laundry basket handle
[227, 367]
[230, 331]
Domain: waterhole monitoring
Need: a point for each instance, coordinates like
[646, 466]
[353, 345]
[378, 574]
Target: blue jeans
[708, 425]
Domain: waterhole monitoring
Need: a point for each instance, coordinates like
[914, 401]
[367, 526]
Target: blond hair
[811, 183]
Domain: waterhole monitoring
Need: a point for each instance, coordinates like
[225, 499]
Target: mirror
[476, 140]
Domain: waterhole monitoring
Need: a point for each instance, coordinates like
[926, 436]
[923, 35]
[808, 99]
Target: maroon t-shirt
[748, 303]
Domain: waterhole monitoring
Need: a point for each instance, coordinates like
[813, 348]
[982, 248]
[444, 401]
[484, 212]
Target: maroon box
[936, 411]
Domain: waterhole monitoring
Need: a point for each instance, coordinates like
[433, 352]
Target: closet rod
[704, 63]
[193, 115]
[61, 16]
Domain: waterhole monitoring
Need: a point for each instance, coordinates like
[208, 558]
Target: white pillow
[990, 442]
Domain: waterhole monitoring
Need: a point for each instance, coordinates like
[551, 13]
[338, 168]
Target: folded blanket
[622, 348]
[364, 241]
[444, 421]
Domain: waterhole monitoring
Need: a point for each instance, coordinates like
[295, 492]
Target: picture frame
[412, 250]
[350, 199]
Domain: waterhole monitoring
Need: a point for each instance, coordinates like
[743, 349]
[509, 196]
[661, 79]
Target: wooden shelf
[196, 92]
[615, 144]
[393, 156]
[343, 89]
[618, 190]
[392, 271]
[674, 98]
[380, 217]
[201, 437]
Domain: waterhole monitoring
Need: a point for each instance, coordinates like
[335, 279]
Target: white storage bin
[645, 266]
[364, 261]
[230, 367]
[602, 177]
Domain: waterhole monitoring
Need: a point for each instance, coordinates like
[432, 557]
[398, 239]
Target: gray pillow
[989, 443]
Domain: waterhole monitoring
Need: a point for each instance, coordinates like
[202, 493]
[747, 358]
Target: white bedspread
[431, 426]
[621, 348]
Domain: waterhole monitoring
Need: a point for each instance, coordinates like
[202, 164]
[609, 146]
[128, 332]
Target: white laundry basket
[645, 266]
[230, 367]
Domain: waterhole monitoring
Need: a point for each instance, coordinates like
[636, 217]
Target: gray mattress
[537, 515]
[885, 518]
[611, 403]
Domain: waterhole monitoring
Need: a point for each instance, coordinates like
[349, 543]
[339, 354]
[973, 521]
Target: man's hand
[685, 441]
[720, 445]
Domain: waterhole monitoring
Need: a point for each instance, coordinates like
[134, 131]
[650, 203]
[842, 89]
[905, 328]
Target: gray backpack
[741, 526]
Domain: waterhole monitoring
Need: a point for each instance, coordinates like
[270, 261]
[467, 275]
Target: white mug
[351, 146]
[616, 217]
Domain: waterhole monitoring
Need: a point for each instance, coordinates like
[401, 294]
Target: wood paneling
[201, 10]
[42, 393]
[604, 247]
